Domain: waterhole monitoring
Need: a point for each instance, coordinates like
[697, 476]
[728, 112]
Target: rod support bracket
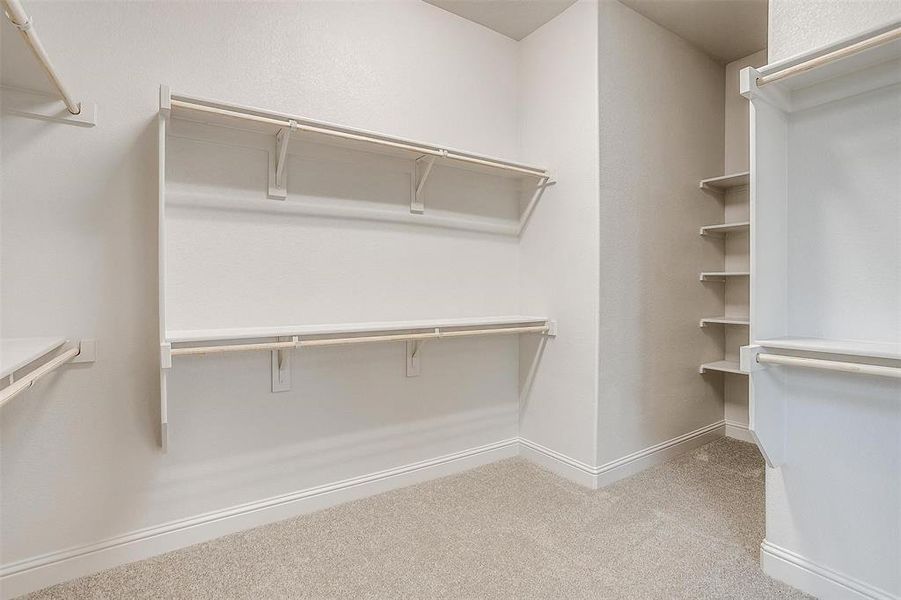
[551, 329]
[414, 355]
[748, 358]
[280, 361]
[278, 186]
[422, 167]
[165, 355]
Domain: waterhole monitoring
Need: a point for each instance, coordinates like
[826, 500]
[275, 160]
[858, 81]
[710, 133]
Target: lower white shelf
[722, 275]
[16, 353]
[722, 366]
[740, 321]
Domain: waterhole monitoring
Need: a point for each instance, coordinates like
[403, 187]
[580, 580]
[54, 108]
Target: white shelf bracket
[748, 359]
[166, 356]
[551, 329]
[543, 183]
[422, 167]
[281, 367]
[278, 187]
[414, 354]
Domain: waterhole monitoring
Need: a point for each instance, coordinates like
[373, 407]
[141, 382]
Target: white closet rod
[17, 16]
[357, 137]
[819, 61]
[829, 365]
[296, 343]
[9, 392]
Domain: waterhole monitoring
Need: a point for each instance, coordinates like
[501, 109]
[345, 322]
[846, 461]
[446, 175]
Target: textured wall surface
[796, 26]
[80, 460]
[661, 131]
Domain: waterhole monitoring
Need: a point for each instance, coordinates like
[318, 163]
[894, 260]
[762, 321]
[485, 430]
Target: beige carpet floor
[687, 529]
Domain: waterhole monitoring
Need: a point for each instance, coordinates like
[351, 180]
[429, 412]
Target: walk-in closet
[450, 299]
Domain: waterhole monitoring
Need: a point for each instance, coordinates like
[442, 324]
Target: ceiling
[513, 18]
[724, 29]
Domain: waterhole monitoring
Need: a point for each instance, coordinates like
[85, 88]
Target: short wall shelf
[722, 275]
[16, 353]
[721, 230]
[740, 321]
[725, 182]
[722, 366]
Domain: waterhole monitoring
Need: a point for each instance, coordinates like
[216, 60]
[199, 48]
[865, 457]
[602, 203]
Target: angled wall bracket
[422, 167]
[278, 186]
[281, 366]
[414, 354]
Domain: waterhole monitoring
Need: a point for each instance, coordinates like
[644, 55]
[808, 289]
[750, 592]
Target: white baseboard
[739, 431]
[41, 571]
[595, 477]
[816, 580]
[35, 573]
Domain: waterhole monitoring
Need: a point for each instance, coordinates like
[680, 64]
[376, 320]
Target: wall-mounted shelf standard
[725, 182]
[722, 366]
[721, 230]
[722, 275]
[423, 156]
[739, 321]
[280, 340]
[18, 353]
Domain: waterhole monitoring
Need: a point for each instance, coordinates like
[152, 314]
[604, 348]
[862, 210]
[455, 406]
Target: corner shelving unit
[826, 274]
[281, 135]
[732, 324]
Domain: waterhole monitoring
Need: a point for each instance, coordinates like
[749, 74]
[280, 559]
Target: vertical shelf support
[281, 367]
[543, 183]
[414, 353]
[422, 166]
[278, 187]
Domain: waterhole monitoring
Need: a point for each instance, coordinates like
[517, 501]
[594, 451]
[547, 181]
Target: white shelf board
[211, 335]
[719, 230]
[16, 353]
[890, 350]
[745, 321]
[362, 139]
[722, 366]
[724, 182]
[709, 275]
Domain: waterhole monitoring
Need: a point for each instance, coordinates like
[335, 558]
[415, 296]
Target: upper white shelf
[720, 230]
[851, 66]
[722, 275]
[16, 353]
[212, 335]
[265, 121]
[890, 350]
[725, 182]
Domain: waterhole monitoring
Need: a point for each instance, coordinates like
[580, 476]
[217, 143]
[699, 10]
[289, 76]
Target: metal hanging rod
[829, 365]
[359, 137]
[20, 385]
[437, 333]
[17, 16]
[819, 61]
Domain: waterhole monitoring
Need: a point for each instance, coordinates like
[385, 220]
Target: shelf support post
[281, 367]
[278, 187]
[414, 352]
[543, 184]
[422, 167]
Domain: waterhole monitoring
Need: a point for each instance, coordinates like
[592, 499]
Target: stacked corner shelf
[732, 233]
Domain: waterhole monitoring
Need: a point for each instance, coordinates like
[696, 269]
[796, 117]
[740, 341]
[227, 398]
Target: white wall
[80, 460]
[661, 131]
[559, 263]
[834, 504]
[796, 26]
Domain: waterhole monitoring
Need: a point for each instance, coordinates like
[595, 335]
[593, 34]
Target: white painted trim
[595, 477]
[812, 578]
[739, 431]
[38, 572]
